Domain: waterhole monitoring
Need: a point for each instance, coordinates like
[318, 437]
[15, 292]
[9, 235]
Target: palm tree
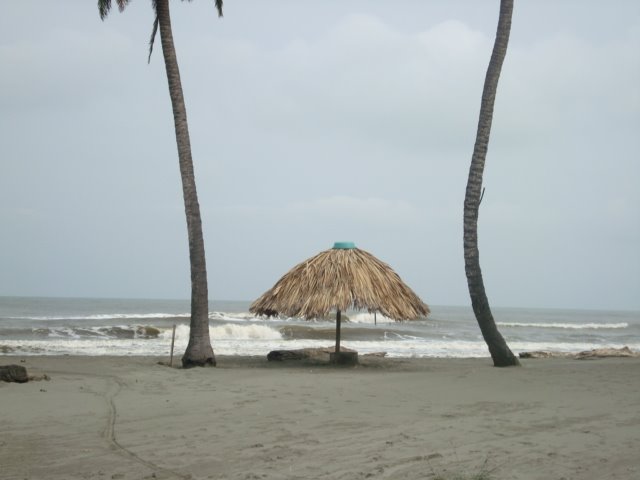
[199, 351]
[500, 352]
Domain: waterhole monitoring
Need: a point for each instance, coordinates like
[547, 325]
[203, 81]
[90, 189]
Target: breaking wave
[230, 331]
[571, 326]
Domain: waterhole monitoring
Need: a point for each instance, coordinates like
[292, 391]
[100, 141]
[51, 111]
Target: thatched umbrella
[338, 279]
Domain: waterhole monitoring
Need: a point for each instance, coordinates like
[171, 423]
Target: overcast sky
[314, 122]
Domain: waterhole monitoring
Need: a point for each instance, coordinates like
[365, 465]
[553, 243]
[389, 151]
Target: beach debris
[347, 355]
[281, 355]
[305, 354]
[544, 354]
[608, 352]
[18, 374]
[13, 373]
[587, 354]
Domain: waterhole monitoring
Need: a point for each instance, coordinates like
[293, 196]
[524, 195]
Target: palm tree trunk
[199, 351]
[500, 352]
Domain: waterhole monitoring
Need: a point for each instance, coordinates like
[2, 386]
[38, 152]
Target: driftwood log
[595, 353]
[13, 373]
[304, 354]
[282, 355]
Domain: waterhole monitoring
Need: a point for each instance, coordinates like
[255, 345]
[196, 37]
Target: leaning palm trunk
[500, 352]
[199, 351]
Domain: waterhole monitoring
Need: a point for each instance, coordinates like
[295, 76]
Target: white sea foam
[241, 333]
[399, 336]
[233, 316]
[572, 326]
[229, 331]
[259, 341]
[369, 318]
[62, 333]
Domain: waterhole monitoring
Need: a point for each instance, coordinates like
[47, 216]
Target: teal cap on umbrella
[344, 245]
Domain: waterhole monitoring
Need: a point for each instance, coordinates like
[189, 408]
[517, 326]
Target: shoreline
[132, 418]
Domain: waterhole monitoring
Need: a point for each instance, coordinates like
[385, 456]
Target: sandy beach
[131, 418]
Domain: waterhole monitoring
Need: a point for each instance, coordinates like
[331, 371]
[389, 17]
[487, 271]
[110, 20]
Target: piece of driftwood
[545, 354]
[608, 352]
[13, 373]
[282, 355]
[304, 354]
[595, 353]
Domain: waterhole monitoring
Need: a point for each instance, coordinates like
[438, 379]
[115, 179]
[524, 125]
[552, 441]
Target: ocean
[83, 326]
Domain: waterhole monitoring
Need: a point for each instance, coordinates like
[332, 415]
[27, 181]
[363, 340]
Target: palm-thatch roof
[339, 279]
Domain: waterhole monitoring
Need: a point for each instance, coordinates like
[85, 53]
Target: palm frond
[154, 31]
[104, 7]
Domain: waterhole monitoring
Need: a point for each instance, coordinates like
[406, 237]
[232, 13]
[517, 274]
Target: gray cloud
[314, 124]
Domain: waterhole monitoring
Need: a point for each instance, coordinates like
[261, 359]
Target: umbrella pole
[337, 331]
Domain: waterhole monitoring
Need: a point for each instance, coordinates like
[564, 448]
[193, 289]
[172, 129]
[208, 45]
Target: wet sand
[131, 418]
